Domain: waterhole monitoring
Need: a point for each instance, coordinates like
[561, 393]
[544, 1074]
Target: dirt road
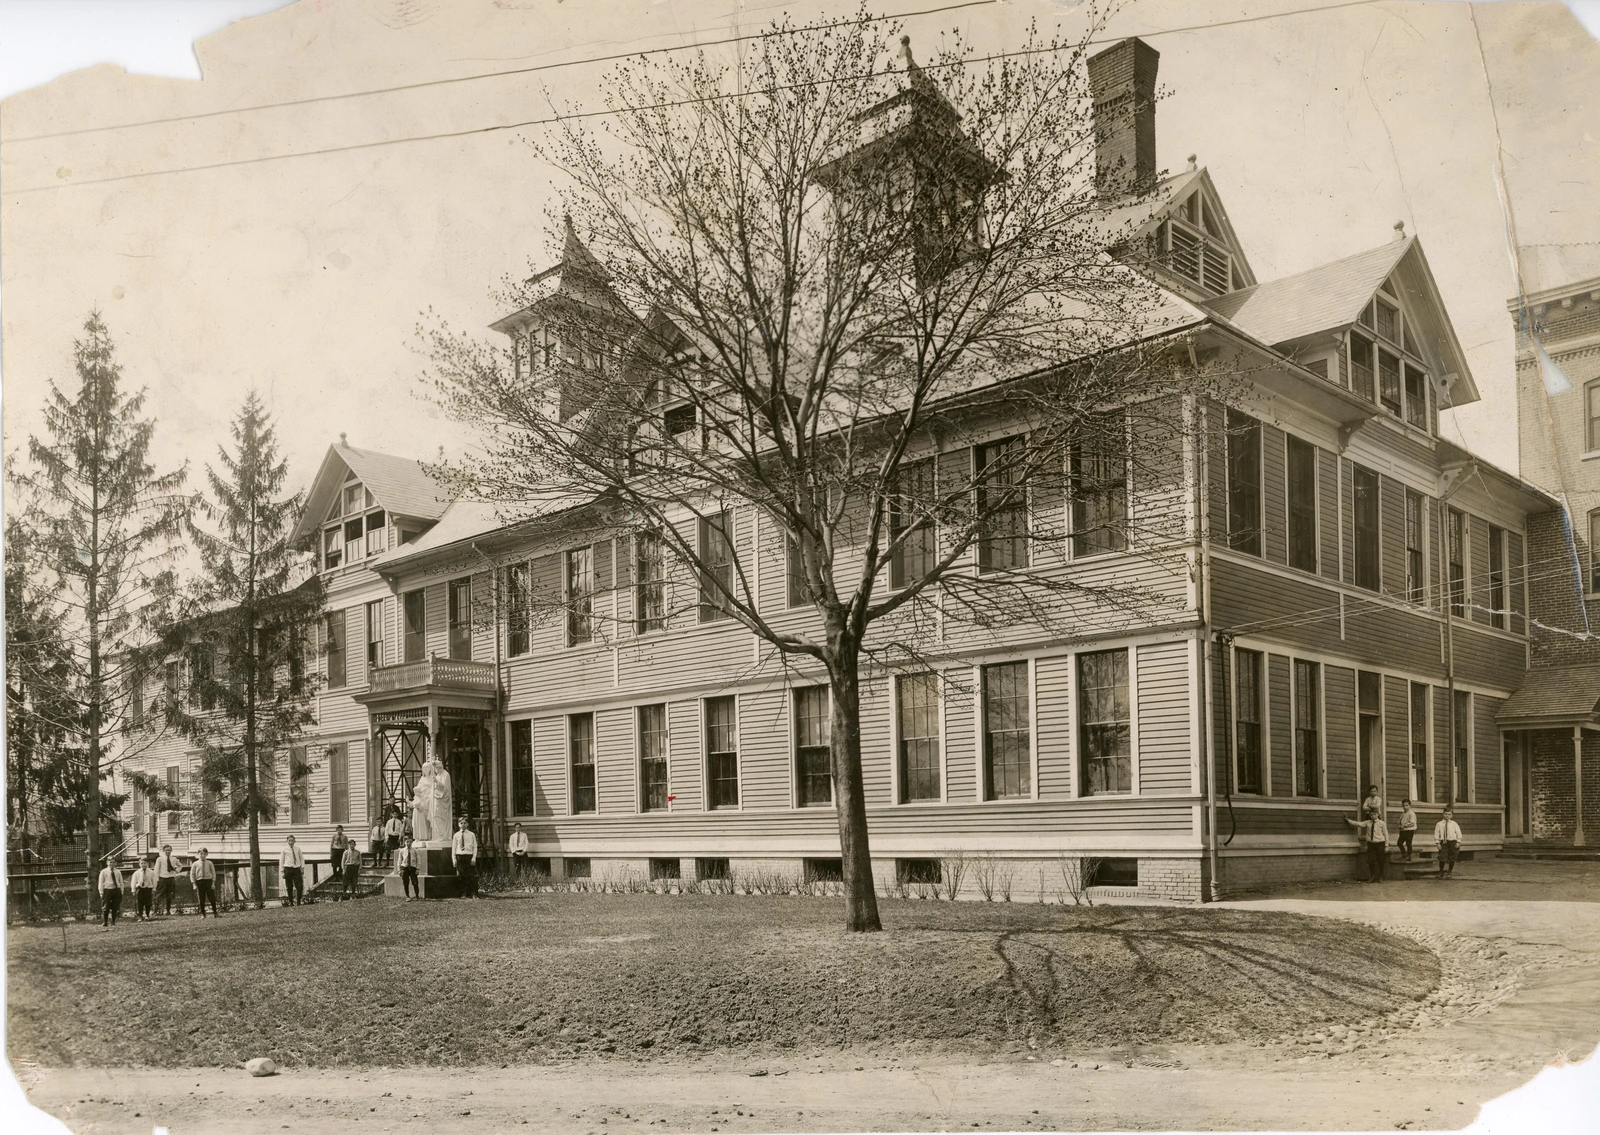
[1520, 989]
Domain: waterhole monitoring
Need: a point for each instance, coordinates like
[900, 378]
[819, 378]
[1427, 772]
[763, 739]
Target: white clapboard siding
[1165, 738]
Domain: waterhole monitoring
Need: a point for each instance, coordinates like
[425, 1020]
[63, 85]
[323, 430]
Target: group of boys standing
[1372, 833]
[153, 882]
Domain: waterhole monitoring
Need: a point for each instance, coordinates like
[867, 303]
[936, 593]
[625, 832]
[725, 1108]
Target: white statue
[430, 804]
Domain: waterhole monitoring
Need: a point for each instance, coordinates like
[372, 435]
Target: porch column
[1577, 785]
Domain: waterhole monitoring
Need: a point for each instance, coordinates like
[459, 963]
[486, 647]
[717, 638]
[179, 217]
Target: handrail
[434, 671]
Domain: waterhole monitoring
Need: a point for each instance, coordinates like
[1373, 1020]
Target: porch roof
[1564, 695]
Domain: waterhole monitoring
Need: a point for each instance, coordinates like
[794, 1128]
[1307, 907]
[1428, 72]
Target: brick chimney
[1122, 79]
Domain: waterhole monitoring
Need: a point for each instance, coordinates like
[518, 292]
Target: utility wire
[666, 105]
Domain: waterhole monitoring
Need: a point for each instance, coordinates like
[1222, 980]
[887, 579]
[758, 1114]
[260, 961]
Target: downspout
[1208, 738]
[498, 717]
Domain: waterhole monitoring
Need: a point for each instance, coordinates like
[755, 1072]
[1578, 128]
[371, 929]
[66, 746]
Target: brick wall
[1241, 875]
[1553, 594]
[1552, 783]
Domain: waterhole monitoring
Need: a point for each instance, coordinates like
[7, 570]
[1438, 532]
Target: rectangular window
[202, 683]
[1105, 732]
[354, 533]
[1591, 398]
[1244, 483]
[1419, 742]
[172, 681]
[797, 592]
[1098, 482]
[1302, 505]
[1361, 366]
[580, 752]
[332, 548]
[1307, 727]
[1455, 540]
[1594, 552]
[1368, 573]
[712, 867]
[580, 596]
[1388, 323]
[135, 699]
[299, 788]
[813, 759]
[1002, 505]
[1416, 397]
[522, 768]
[919, 872]
[1415, 539]
[1247, 719]
[374, 636]
[1497, 577]
[716, 567]
[175, 797]
[339, 783]
[911, 508]
[822, 870]
[1463, 723]
[919, 737]
[577, 867]
[653, 758]
[416, 625]
[459, 604]
[1007, 733]
[1389, 382]
[519, 623]
[722, 752]
[376, 539]
[335, 622]
[267, 787]
[665, 870]
[649, 583]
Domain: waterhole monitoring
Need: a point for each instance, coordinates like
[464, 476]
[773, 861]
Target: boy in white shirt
[517, 845]
[406, 861]
[144, 888]
[1447, 835]
[110, 893]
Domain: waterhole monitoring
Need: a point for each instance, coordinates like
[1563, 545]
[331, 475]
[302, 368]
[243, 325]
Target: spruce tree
[104, 525]
[247, 626]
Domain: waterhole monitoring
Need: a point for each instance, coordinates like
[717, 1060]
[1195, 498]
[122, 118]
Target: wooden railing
[456, 672]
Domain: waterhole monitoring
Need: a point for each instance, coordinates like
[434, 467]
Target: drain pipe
[1203, 564]
[499, 693]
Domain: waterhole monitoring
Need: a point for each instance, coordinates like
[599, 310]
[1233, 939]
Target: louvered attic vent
[1187, 244]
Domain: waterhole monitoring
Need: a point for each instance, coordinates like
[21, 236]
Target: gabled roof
[1133, 217]
[399, 484]
[1330, 298]
[1562, 695]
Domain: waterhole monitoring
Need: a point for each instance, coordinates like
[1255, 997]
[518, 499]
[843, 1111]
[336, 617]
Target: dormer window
[356, 528]
[1384, 363]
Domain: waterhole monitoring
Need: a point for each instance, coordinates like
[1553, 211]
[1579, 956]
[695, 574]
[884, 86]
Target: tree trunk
[860, 896]
[92, 821]
[252, 782]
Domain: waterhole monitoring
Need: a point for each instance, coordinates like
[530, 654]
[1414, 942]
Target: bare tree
[865, 314]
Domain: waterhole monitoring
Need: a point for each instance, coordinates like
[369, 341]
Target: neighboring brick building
[1552, 729]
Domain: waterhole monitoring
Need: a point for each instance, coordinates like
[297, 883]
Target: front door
[464, 756]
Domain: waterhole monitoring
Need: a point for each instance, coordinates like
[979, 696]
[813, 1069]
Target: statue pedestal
[436, 874]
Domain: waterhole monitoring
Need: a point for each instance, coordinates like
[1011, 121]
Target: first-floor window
[1463, 721]
[1007, 761]
[1247, 719]
[653, 758]
[1105, 714]
[919, 737]
[1307, 718]
[1419, 741]
[522, 768]
[722, 752]
[580, 749]
[267, 787]
[339, 783]
[812, 755]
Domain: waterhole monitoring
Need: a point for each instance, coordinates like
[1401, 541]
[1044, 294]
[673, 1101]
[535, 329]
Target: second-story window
[1591, 403]
[1455, 554]
[519, 622]
[1368, 572]
[1497, 577]
[796, 591]
[716, 570]
[1244, 483]
[374, 636]
[1098, 483]
[1414, 544]
[649, 583]
[460, 612]
[335, 624]
[1002, 506]
[414, 612]
[202, 679]
[1302, 504]
[911, 525]
[580, 595]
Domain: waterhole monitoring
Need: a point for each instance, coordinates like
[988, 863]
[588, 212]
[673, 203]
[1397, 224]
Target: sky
[304, 275]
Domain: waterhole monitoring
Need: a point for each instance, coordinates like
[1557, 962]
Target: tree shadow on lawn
[559, 977]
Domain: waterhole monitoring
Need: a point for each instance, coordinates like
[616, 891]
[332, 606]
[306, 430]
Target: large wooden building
[1337, 597]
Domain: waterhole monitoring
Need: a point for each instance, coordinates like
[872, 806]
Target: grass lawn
[535, 978]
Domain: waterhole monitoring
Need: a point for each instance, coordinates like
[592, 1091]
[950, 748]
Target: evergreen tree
[245, 633]
[103, 526]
